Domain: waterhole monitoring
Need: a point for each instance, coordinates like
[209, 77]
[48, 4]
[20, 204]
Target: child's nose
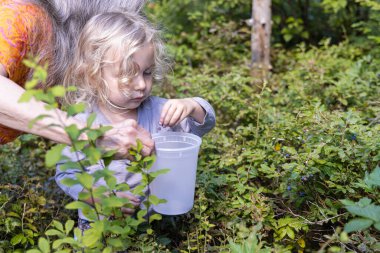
[140, 83]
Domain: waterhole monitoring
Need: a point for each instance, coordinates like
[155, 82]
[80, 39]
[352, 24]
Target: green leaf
[117, 243]
[149, 161]
[104, 129]
[288, 37]
[86, 180]
[141, 214]
[71, 88]
[109, 154]
[69, 181]
[52, 232]
[281, 233]
[139, 146]
[357, 225]
[111, 181]
[155, 217]
[158, 172]
[31, 84]
[58, 91]
[371, 211]
[69, 226]
[290, 233]
[89, 213]
[40, 117]
[377, 225]
[69, 240]
[347, 202]
[93, 154]
[75, 109]
[100, 190]
[33, 251]
[59, 242]
[73, 132]
[77, 205]
[17, 239]
[155, 200]
[363, 202]
[107, 250]
[122, 187]
[93, 134]
[91, 119]
[113, 201]
[43, 244]
[91, 237]
[84, 195]
[27, 96]
[53, 156]
[58, 225]
[373, 179]
[116, 230]
[139, 190]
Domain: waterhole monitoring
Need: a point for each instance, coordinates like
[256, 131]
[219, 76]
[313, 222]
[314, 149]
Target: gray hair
[69, 18]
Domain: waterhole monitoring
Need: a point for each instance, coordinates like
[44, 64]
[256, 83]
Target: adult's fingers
[123, 136]
[135, 201]
[127, 211]
[146, 140]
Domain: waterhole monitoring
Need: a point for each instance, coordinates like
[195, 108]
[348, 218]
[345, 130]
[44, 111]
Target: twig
[314, 222]
[374, 121]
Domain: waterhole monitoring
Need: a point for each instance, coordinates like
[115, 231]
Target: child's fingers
[177, 116]
[164, 112]
[169, 115]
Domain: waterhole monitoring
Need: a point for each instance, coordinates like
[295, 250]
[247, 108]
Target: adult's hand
[124, 136]
[133, 200]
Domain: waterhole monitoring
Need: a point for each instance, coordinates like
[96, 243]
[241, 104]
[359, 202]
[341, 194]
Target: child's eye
[148, 72]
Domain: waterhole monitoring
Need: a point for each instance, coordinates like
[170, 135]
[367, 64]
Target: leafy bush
[285, 152]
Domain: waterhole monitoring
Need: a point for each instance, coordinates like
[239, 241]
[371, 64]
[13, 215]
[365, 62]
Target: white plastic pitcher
[179, 153]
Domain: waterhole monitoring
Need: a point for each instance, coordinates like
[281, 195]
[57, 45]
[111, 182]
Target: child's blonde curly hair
[122, 34]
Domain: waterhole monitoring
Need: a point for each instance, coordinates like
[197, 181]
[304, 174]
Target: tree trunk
[261, 34]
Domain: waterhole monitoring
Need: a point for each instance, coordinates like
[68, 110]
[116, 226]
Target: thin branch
[313, 222]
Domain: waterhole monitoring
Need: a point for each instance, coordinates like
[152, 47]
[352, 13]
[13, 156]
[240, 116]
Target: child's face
[131, 95]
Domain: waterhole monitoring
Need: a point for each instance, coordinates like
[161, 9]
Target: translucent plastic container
[179, 153]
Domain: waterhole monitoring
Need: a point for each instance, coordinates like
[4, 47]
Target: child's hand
[176, 110]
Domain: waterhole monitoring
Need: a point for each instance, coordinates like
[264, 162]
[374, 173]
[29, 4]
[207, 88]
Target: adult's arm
[18, 115]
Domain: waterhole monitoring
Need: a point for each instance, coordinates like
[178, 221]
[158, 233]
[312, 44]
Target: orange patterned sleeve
[13, 39]
[22, 26]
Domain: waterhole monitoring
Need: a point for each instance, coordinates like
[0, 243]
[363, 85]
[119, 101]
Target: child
[117, 59]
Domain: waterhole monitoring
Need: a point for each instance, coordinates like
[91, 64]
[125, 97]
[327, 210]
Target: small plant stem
[197, 241]
[22, 218]
[83, 170]
[146, 174]
[205, 242]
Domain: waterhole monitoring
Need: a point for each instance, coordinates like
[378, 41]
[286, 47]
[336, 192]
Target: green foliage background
[286, 151]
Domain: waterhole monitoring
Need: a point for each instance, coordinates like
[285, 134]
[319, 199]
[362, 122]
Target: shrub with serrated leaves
[289, 148]
[110, 229]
